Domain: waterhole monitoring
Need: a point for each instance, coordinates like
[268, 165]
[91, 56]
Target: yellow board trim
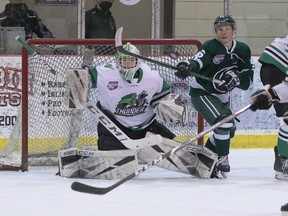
[251, 141]
[240, 141]
[54, 144]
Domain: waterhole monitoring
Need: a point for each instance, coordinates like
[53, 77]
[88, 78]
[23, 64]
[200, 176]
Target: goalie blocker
[195, 160]
[77, 88]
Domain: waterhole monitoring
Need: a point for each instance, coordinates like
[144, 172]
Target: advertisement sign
[10, 92]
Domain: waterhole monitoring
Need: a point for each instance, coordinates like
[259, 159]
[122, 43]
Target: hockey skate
[222, 167]
[280, 166]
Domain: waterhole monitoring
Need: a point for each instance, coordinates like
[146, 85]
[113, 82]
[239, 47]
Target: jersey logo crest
[112, 85]
[132, 104]
[218, 59]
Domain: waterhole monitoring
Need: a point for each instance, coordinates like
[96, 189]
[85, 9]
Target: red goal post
[44, 124]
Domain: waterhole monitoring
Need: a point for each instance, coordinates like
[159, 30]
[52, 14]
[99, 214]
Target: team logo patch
[112, 85]
[132, 104]
[218, 59]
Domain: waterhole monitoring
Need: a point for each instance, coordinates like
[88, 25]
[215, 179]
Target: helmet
[224, 20]
[128, 65]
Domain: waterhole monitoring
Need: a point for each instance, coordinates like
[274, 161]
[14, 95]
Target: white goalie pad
[68, 163]
[172, 109]
[97, 164]
[193, 159]
[115, 164]
[77, 88]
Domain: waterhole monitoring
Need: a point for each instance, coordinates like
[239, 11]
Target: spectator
[99, 22]
[17, 14]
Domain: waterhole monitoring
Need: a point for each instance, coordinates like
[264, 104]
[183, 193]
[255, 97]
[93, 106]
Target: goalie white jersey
[276, 53]
[129, 102]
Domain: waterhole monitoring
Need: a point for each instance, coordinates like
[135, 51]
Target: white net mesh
[51, 126]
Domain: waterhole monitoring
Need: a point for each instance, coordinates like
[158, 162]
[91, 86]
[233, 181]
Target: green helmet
[122, 62]
[224, 20]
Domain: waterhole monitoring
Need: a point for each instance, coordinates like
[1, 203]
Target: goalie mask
[128, 65]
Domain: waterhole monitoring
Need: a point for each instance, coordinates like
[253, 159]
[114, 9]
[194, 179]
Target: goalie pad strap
[193, 159]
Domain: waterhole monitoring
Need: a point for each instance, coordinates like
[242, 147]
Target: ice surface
[250, 190]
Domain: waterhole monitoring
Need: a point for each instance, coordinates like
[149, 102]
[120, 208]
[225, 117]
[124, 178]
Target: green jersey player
[222, 58]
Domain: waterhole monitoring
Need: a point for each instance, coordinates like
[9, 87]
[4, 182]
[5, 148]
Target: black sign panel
[57, 2]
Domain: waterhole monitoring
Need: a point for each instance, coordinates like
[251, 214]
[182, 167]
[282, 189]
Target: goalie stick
[80, 187]
[35, 54]
[119, 134]
[119, 47]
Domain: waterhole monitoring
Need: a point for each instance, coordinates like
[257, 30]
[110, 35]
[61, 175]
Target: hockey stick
[34, 53]
[119, 47]
[80, 187]
[119, 134]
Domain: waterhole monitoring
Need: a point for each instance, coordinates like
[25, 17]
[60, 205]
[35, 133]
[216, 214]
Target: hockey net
[45, 125]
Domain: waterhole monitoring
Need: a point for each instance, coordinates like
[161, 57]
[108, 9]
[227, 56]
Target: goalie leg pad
[150, 153]
[193, 159]
[115, 164]
[68, 163]
[206, 159]
[77, 88]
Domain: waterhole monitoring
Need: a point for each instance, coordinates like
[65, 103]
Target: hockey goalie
[131, 95]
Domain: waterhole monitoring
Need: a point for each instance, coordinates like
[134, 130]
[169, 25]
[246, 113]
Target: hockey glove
[184, 69]
[230, 81]
[263, 99]
[172, 109]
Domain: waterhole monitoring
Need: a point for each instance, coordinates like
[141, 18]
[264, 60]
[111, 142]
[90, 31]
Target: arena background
[258, 23]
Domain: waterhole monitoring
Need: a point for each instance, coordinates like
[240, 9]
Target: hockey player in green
[222, 58]
[273, 72]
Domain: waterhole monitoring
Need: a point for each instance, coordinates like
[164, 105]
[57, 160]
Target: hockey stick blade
[84, 188]
[119, 47]
[80, 187]
[77, 186]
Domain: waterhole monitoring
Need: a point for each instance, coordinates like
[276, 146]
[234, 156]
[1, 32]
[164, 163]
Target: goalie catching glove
[172, 109]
